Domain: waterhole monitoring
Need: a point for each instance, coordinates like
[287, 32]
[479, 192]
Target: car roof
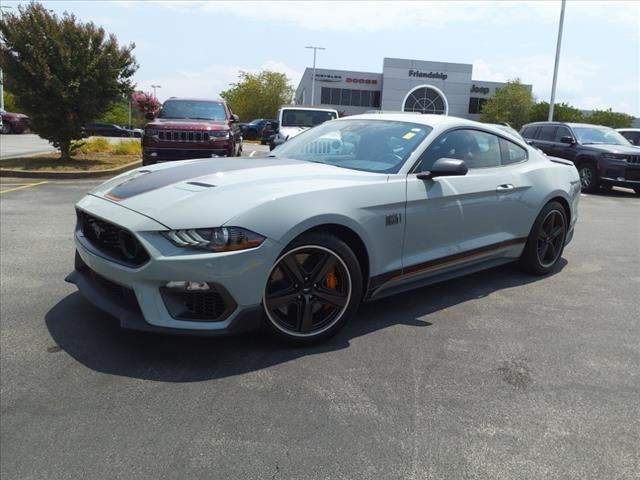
[428, 119]
[570, 124]
[190, 99]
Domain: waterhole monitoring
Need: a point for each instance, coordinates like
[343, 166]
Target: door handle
[504, 188]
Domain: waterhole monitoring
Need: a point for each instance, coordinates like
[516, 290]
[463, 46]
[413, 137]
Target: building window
[425, 99]
[476, 104]
[350, 97]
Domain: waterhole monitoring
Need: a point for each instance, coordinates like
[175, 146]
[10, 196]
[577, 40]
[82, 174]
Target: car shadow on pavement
[95, 339]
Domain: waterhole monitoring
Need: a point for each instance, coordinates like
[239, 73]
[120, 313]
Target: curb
[4, 172]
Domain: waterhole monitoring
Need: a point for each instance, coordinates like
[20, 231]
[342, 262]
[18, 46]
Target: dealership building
[403, 85]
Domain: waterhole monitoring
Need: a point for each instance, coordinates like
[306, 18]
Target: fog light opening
[188, 285]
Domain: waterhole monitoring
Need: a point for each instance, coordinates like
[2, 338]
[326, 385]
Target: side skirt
[442, 269]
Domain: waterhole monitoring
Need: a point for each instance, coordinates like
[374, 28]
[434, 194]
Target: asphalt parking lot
[12, 146]
[494, 376]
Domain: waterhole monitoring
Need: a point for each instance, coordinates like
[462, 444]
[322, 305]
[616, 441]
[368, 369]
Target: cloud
[210, 80]
[354, 16]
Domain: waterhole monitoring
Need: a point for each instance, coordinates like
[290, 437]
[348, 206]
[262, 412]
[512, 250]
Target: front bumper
[137, 295]
[169, 151]
[620, 174]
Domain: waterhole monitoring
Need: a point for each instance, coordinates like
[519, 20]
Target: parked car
[253, 130]
[603, 157]
[191, 128]
[631, 134]
[295, 120]
[106, 130]
[268, 132]
[14, 122]
[355, 209]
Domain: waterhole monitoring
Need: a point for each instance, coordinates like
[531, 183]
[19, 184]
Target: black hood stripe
[156, 179]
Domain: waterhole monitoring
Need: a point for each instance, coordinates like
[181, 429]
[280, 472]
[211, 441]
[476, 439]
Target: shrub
[127, 147]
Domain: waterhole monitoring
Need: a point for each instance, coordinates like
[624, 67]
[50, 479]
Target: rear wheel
[312, 290]
[546, 240]
[588, 177]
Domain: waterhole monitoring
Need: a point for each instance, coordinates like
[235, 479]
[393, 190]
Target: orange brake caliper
[331, 281]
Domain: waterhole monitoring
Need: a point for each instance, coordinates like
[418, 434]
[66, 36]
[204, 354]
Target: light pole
[313, 79]
[154, 90]
[555, 67]
[1, 74]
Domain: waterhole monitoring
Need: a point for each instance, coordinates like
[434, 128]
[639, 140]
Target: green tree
[63, 73]
[562, 112]
[258, 95]
[9, 101]
[511, 103]
[609, 118]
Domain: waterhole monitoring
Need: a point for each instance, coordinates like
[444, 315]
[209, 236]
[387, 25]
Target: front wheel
[588, 177]
[312, 290]
[545, 243]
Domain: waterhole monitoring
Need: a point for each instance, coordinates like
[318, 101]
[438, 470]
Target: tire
[637, 190]
[239, 154]
[545, 243]
[588, 177]
[6, 128]
[312, 290]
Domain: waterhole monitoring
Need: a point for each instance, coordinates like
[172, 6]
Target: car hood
[187, 124]
[290, 132]
[210, 192]
[630, 149]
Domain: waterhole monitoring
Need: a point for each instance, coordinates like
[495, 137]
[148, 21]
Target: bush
[127, 147]
[93, 145]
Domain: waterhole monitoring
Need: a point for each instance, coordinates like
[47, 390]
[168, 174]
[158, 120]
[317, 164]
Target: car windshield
[193, 109]
[380, 146]
[603, 135]
[305, 118]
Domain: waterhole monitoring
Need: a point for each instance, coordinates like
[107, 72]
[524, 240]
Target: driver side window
[477, 149]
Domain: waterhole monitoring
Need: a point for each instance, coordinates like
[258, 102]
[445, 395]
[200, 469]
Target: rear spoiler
[560, 160]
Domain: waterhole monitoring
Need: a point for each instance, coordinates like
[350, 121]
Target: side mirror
[445, 167]
[149, 116]
[234, 118]
[568, 140]
[276, 142]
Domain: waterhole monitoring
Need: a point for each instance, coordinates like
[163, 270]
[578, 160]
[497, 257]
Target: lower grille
[112, 240]
[211, 305]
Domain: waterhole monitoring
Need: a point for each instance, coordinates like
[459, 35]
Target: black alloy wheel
[312, 290]
[551, 238]
[588, 177]
[546, 240]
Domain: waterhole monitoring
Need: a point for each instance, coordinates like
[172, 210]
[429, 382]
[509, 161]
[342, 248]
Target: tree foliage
[145, 102]
[64, 73]
[562, 112]
[258, 95]
[511, 103]
[609, 118]
[9, 101]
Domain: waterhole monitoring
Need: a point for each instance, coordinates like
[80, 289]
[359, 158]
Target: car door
[564, 150]
[545, 139]
[454, 220]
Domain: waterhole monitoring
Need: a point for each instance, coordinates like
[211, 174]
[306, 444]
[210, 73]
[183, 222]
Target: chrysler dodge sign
[419, 74]
[327, 77]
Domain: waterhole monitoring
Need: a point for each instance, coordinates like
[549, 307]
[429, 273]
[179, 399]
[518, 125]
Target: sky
[196, 48]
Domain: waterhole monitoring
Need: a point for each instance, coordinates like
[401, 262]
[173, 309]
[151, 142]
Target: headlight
[615, 156]
[222, 239]
[151, 132]
[219, 134]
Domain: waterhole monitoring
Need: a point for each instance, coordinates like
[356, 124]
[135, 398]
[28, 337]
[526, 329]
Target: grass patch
[103, 145]
[80, 163]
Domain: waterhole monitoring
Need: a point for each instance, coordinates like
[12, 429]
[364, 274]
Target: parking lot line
[27, 185]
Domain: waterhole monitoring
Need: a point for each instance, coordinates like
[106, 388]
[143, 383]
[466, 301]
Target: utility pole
[154, 90]
[313, 78]
[1, 74]
[555, 67]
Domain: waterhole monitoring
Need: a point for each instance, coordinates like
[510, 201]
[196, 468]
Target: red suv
[191, 128]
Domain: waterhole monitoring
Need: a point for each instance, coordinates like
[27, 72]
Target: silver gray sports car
[355, 209]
